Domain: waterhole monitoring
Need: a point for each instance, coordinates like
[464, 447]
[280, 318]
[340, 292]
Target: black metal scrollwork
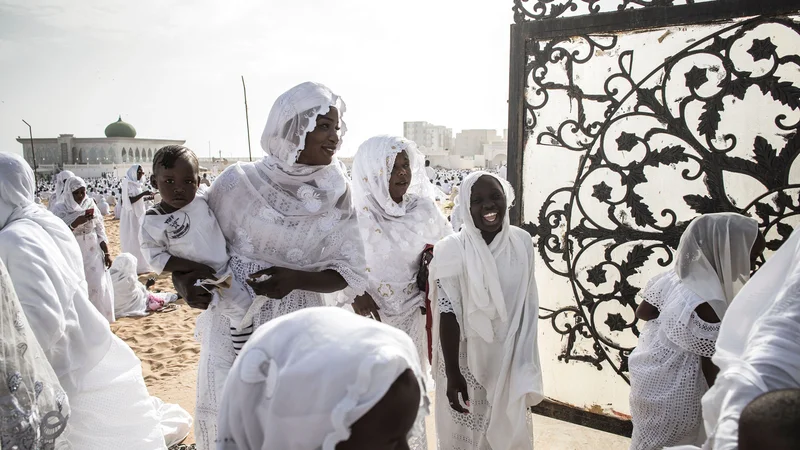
[527, 10]
[679, 122]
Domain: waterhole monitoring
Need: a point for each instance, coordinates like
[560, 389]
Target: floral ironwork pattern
[527, 10]
[678, 122]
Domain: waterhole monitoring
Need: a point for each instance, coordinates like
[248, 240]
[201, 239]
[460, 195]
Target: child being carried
[181, 233]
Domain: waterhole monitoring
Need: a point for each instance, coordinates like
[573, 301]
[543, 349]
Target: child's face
[177, 185]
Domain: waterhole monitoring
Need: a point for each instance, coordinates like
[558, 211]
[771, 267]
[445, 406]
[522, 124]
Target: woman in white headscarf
[55, 197]
[324, 379]
[291, 231]
[131, 297]
[133, 208]
[110, 406]
[486, 366]
[34, 410]
[758, 349]
[79, 211]
[670, 368]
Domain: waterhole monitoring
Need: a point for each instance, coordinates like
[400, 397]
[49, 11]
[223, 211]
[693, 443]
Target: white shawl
[131, 187]
[758, 349]
[303, 379]
[296, 216]
[713, 257]
[394, 234]
[495, 299]
[130, 296]
[62, 176]
[69, 210]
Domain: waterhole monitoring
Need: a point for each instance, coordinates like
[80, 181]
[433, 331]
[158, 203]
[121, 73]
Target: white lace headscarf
[713, 257]
[305, 378]
[394, 234]
[33, 406]
[495, 300]
[758, 348]
[67, 208]
[299, 216]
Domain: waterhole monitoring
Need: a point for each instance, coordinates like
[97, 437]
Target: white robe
[130, 223]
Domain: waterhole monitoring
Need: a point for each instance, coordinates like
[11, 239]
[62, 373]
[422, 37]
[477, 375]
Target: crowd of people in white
[333, 298]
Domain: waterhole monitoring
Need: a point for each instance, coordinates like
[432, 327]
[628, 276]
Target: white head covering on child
[713, 257]
[304, 379]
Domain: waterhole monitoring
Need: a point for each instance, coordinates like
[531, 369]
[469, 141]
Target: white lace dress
[257, 233]
[457, 431]
[667, 382]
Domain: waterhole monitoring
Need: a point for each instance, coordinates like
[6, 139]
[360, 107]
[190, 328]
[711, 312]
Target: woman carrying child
[486, 364]
[79, 211]
[290, 228]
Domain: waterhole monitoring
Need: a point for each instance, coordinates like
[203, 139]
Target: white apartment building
[432, 139]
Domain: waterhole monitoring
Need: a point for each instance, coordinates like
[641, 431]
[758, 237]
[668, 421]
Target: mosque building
[93, 157]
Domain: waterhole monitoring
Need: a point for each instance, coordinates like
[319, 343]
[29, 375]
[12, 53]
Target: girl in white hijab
[758, 349]
[79, 211]
[110, 406]
[291, 231]
[670, 368]
[131, 297]
[486, 367]
[323, 379]
[133, 208]
[34, 409]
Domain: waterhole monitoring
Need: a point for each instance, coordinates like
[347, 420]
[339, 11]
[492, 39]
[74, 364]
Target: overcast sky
[172, 67]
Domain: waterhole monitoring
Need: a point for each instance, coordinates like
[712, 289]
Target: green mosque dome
[120, 129]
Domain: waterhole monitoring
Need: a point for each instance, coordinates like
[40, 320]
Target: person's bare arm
[646, 311]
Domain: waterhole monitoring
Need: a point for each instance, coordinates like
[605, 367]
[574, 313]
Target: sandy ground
[165, 344]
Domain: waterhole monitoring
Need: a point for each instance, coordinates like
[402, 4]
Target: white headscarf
[33, 406]
[394, 234]
[305, 210]
[495, 300]
[758, 348]
[303, 379]
[130, 296]
[713, 257]
[69, 210]
[49, 267]
[131, 187]
[62, 176]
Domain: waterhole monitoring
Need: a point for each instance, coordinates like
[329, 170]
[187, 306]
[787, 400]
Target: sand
[164, 342]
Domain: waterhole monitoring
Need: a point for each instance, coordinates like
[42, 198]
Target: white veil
[713, 257]
[33, 407]
[67, 209]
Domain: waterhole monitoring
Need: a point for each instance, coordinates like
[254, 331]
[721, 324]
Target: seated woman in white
[671, 367]
[131, 297]
[323, 379]
[110, 406]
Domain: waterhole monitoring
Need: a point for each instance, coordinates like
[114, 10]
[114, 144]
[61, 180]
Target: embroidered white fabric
[666, 376]
[89, 236]
[296, 216]
[493, 292]
[274, 397]
[34, 409]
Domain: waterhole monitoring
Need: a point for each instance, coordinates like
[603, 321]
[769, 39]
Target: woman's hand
[107, 260]
[281, 282]
[80, 221]
[456, 384]
[364, 305]
[195, 296]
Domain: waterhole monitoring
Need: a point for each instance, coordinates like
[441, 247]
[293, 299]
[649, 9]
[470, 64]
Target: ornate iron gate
[628, 118]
